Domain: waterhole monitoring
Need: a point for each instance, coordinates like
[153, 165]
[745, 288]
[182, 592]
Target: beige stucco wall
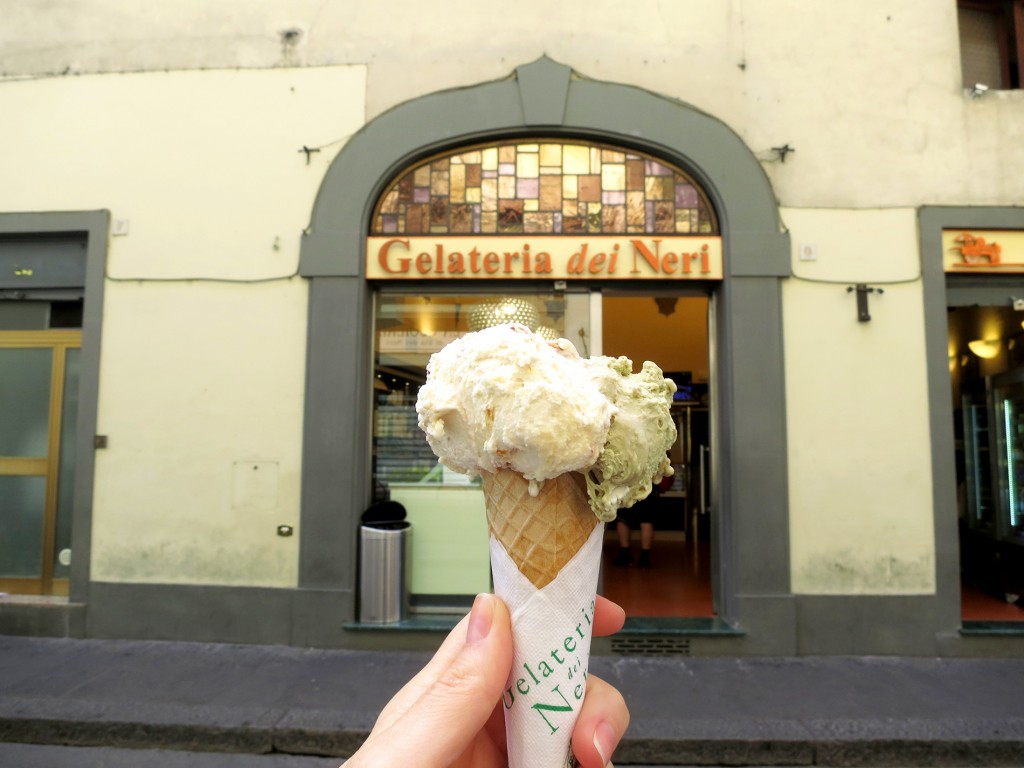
[202, 163]
[856, 406]
[868, 93]
[204, 328]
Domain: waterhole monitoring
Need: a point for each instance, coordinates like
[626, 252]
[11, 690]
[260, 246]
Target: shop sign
[545, 257]
[983, 250]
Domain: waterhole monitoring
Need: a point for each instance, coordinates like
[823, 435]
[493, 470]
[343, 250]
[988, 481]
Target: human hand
[450, 715]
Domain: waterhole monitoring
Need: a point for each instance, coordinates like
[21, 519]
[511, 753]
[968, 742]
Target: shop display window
[450, 560]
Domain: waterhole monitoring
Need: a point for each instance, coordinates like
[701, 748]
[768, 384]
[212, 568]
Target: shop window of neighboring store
[538, 186]
[991, 42]
[39, 364]
[986, 364]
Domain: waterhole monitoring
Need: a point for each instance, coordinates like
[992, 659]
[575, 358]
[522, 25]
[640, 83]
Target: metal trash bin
[384, 546]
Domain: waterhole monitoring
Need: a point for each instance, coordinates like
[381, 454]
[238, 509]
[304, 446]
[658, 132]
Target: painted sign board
[544, 257]
[983, 251]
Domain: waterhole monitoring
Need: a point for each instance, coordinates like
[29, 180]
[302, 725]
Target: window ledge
[438, 622]
[712, 626]
[646, 625]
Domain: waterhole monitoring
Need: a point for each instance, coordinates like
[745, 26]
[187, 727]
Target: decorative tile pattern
[549, 187]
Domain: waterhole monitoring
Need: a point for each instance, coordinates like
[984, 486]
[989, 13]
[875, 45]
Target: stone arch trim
[546, 98]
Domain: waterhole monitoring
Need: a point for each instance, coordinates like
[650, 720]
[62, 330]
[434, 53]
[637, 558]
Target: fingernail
[605, 741]
[480, 618]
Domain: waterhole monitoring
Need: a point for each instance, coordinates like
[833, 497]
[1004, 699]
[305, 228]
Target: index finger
[608, 617]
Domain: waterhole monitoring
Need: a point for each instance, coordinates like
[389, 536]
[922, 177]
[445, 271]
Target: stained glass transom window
[550, 187]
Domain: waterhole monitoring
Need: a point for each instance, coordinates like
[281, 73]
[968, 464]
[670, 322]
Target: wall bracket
[863, 289]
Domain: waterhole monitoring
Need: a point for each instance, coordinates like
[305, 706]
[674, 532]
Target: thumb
[453, 707]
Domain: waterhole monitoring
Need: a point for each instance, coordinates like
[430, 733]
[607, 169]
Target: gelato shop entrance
[657, 555]
[667, 535]
[606, 246]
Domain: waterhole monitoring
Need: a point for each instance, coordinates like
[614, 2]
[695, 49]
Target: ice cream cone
[540, 533]
[545, 557]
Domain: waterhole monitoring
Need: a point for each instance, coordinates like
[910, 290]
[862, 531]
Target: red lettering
[542, 264]
[575, 265]
[668, 263]
[651, 258]
[423, 262]
[384, 253]
[491, 263]
[510, 257]
[705, 265]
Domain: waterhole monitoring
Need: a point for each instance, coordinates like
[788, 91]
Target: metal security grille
[651, 646]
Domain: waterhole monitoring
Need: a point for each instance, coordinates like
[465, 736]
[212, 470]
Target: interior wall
[634, 327]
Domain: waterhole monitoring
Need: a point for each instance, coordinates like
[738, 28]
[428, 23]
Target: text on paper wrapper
[567, 669]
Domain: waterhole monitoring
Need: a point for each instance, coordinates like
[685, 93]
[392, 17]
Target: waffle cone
[540, 533]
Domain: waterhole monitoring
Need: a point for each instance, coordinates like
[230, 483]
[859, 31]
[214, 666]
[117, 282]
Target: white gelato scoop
[504, 398]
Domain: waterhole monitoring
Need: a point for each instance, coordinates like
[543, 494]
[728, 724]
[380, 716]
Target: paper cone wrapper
[545, 558]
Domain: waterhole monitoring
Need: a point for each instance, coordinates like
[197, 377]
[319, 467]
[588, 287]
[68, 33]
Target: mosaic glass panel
[543, 187]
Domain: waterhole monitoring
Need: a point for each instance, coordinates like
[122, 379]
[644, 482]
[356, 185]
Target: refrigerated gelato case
[993, 542]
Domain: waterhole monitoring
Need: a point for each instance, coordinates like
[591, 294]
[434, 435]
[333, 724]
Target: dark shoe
[645, 558]
[624, 558]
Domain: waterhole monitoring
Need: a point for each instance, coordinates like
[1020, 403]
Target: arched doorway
[558, 234]
[751, 570]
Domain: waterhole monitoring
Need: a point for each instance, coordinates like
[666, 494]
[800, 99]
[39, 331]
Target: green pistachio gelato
[641, 433]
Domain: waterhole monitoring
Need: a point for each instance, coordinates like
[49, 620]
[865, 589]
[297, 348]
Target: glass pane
[24, 401]
[1013, 463]
[446, 509]
[979, 48]
[66, 469]
[550, 187]
[980, 512]
[21, 519]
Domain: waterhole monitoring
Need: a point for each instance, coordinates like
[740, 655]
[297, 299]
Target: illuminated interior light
[985, 348]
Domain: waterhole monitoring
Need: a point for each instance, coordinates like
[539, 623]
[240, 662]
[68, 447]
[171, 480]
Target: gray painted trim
[545, 98]
[336, 433]
[899, 625]
[95, 225]
[931, 221]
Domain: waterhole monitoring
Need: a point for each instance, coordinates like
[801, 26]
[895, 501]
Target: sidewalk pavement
[835, 711]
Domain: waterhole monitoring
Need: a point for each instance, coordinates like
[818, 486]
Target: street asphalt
[283, 707]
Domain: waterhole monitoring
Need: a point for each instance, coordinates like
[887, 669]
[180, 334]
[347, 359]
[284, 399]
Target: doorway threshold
[992, 629]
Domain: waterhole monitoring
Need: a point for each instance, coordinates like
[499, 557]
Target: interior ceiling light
[986, 348]
[500, 311]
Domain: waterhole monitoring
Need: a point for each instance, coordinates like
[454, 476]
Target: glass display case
[992, 523]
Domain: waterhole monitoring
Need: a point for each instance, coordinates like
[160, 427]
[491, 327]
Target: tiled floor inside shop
[979, 606]
[678, 585]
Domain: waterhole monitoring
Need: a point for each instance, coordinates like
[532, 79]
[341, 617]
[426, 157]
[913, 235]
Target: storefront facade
[544, 100]
[242, 470]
